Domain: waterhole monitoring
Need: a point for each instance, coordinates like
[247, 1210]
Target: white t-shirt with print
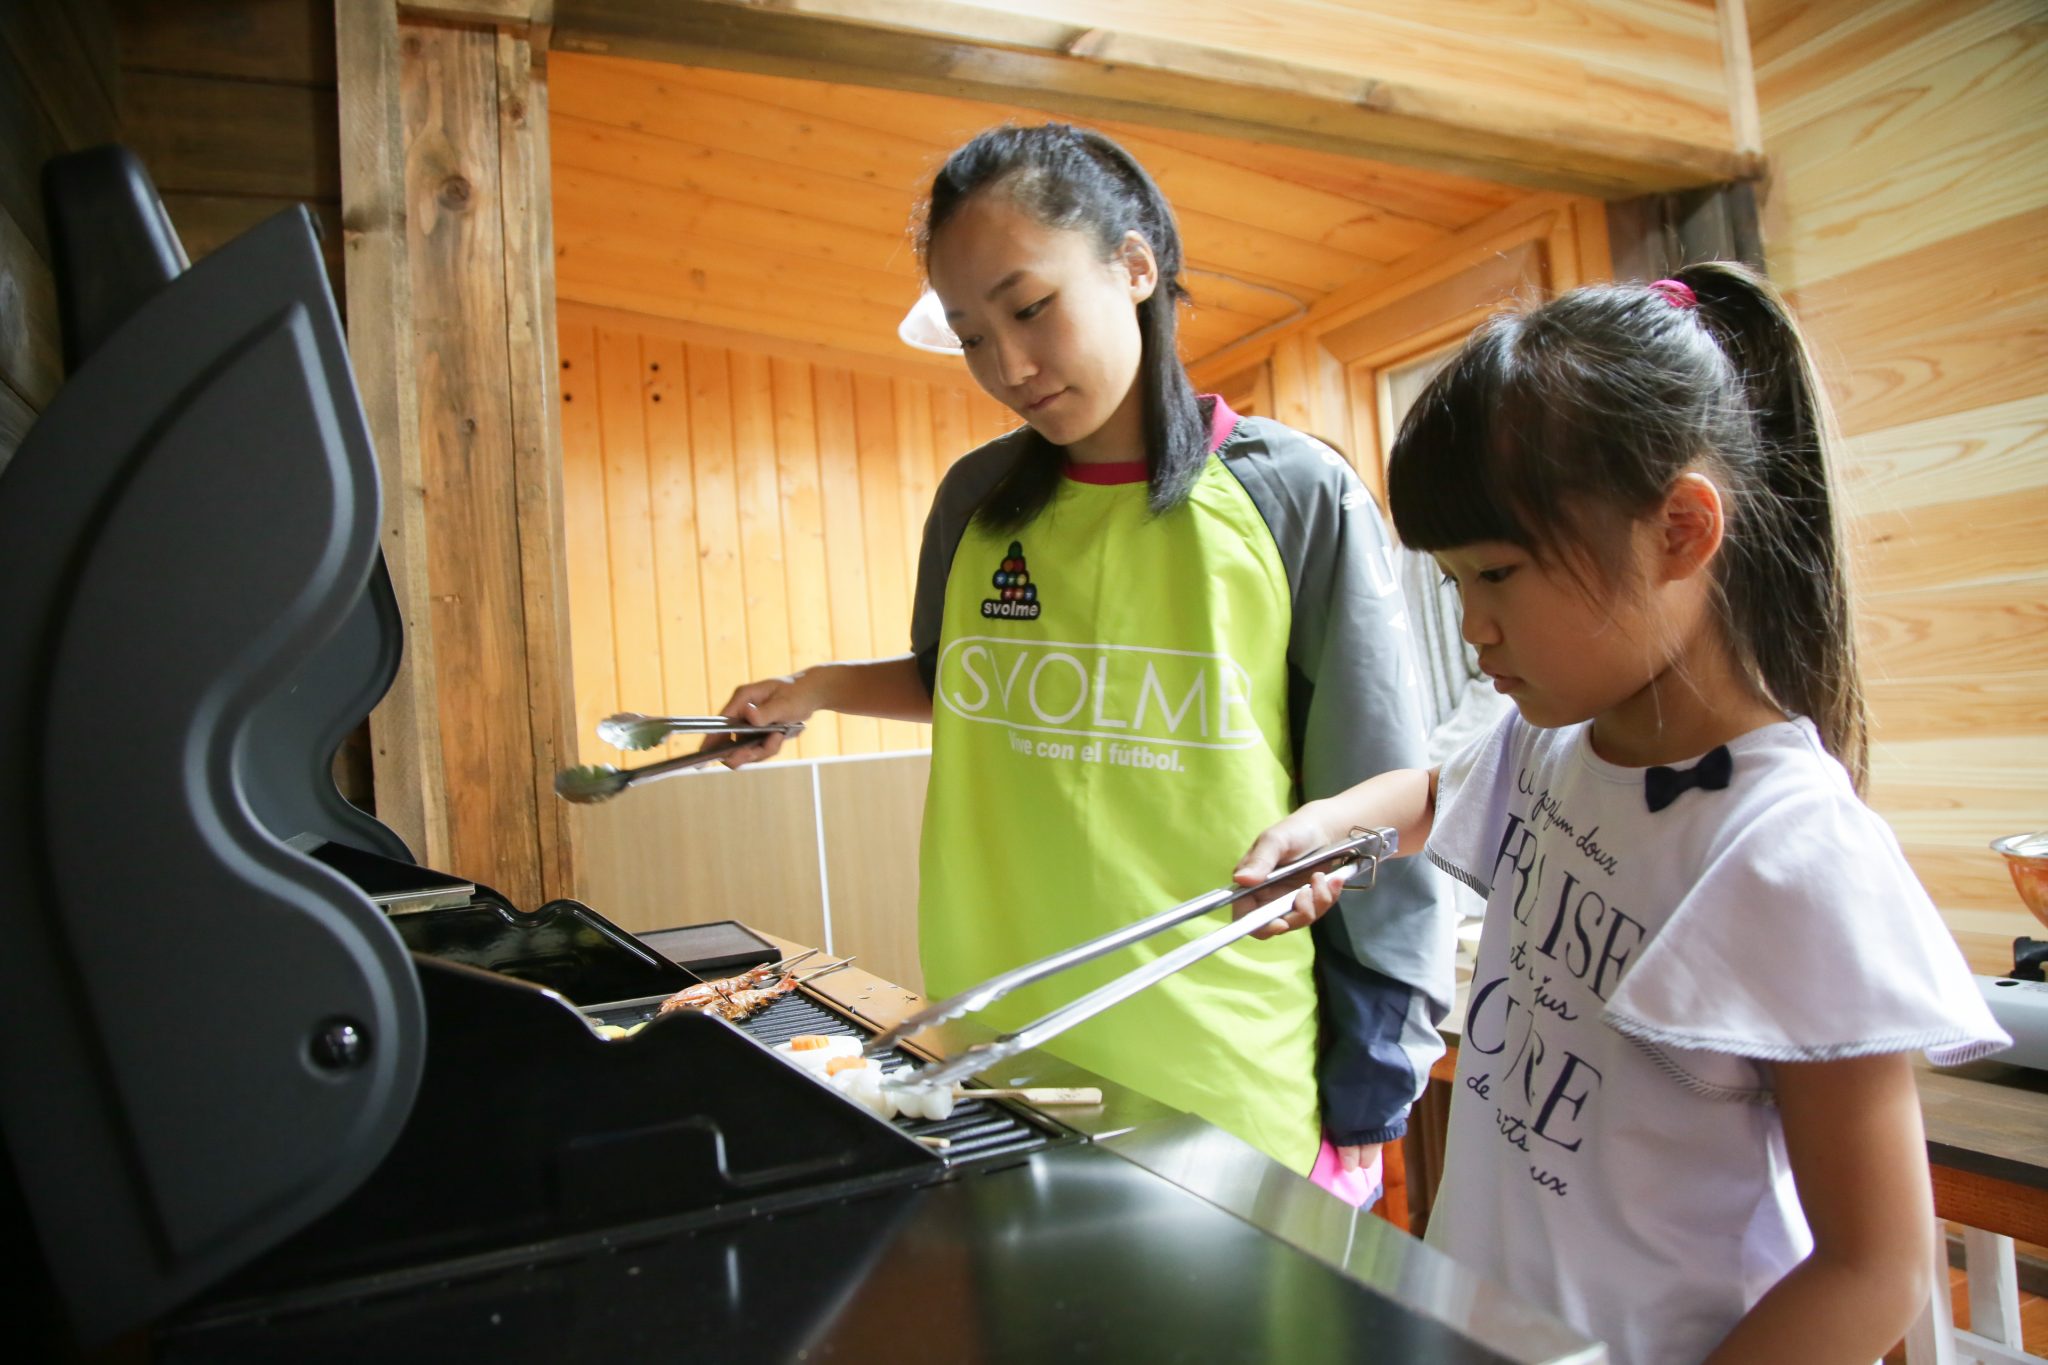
[1614, 1152]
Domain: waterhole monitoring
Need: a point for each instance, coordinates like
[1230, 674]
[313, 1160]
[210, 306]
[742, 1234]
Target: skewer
[938, 1143]
[1033, 1094]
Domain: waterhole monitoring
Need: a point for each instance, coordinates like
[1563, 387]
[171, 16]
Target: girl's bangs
[1444, 478]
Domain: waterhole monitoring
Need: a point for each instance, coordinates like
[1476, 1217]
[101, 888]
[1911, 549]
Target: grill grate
[976, 1131]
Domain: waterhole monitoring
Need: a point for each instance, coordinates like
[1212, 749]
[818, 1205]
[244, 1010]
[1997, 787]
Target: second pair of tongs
[1365, 850]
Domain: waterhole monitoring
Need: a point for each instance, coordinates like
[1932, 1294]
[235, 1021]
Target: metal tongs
[1364, 849]
[593, 782]
[631, 730]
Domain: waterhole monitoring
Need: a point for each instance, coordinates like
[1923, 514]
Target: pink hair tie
[1677, 293]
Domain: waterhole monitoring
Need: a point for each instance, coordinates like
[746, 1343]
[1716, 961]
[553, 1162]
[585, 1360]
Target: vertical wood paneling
[588, 542]
[718, 539]
[881, 480]
[678, 588]
[803, 536]
[846, 541]
[735, 514]
[628, 515]
[761, 549]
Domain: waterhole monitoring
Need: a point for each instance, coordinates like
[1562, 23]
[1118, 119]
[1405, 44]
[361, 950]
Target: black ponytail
[1075, 178]
[1547, 423]
[1785, 580]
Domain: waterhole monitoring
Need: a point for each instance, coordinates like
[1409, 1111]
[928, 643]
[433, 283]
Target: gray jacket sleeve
[970, 480]
[1384, 960]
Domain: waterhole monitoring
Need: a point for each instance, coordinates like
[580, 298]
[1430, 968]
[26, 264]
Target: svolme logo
[1116, 692]
[1016, 595]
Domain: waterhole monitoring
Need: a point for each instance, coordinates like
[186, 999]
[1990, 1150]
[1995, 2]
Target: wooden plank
[881, 509]
[1940, 632]
[1979, 540]
[1959, 706]
[918, 366]
[405, 729]
[1984, 453]
[917, 451]
[625, 408]
[31, 362]
[457, 246]
[1816, 58]
[1739, 74]
[207, 222]
[1966, 879]
[871, 344]
[679, 588]
[682, 161]
[27, 140]
[952, 432]
[1195, 181]
[1943, 329]
[803, 537]
[600, 206]
[690, 849]
[233, 137]
[846, 540]
[587, 550]
[872, 815]
[63, 71]
[760, 516]
[727, 660]
[287, 41]
[98, 30]
[1951, 146]
[1671, 138]
[533, 374]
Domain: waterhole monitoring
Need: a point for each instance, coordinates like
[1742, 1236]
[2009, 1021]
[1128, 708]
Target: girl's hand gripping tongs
[1364, 849]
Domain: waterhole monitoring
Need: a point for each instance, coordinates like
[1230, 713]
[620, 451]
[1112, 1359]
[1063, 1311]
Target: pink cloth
[1359, 1188]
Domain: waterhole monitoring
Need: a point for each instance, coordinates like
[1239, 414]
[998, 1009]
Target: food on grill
[814, 1052]
[739, 998]
[840, 1064]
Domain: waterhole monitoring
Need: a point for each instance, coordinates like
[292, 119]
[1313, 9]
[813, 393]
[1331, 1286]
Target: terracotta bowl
[2026, 855]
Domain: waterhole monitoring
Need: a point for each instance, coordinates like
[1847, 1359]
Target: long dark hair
[1077, 179]
[1551, 422]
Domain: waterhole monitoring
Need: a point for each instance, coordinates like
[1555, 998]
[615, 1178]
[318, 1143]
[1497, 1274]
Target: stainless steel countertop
[1233, 1176]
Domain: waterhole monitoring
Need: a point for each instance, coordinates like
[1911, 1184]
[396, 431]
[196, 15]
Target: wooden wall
[1905, 217]
[58, 92]
[736, 513]
[231, 105]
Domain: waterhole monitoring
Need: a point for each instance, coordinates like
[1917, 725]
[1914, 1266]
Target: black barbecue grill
[271, 1090]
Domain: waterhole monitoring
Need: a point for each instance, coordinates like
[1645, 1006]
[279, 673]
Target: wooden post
[405, 729]
[447, 211]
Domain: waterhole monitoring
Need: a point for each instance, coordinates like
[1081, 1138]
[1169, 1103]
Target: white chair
[1993, 1337]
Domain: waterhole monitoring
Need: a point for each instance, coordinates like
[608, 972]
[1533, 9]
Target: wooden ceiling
[759, 204]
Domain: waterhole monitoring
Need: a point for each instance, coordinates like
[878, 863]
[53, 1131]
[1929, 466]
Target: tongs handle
[1364, 847]
[632, 730]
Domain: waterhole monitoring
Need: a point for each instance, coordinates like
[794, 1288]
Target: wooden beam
[405, 730]
[535, 390]
[954, 48]
[1740, 73]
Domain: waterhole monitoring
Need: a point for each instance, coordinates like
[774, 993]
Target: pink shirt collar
[1221, 422]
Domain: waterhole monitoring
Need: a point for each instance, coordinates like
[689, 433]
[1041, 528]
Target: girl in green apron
[1145, 628]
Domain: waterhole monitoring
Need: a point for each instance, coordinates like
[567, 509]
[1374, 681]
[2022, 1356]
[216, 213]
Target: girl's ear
[1690, 527]
[1135, 261]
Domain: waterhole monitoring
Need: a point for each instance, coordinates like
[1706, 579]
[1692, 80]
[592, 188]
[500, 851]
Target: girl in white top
[1685, 1115]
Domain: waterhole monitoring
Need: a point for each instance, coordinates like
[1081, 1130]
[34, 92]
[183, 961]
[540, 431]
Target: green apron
[1109, 734]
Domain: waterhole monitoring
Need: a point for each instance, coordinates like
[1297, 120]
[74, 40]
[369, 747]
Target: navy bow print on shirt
[1662, 786]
